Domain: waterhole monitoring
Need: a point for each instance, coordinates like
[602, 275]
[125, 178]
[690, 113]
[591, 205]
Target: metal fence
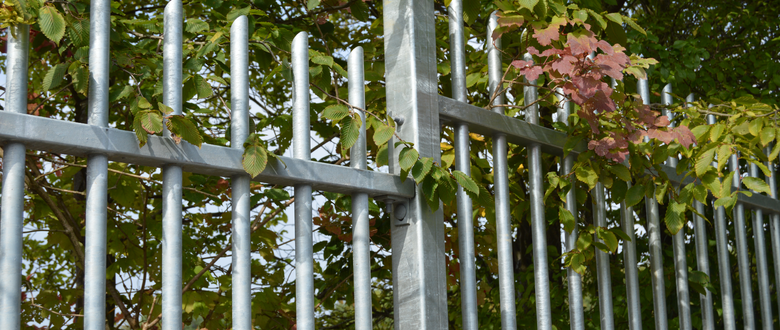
[418, 253]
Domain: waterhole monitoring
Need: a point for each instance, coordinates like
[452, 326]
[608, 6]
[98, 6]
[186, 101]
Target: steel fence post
[419, 278]
[743, 262]
[765, 299]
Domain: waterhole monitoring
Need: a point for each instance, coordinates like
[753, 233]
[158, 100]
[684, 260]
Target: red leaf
[662, 121]
[582, 44]
[519, 64]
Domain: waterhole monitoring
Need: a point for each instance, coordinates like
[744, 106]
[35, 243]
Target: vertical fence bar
[506, 274]
[774, 223]
[538, 222]
[763, 273]
[304, 256]
[654, 238]
[602, 261]
[12, 217]
[724, 266]
[239, 128]
[574, 280]
[172, 175]
[702, 258]
[631, 268]
[419, 277]
[361, 248]
[742, 251]
[96, 214]
[629, 260]
[468, 278]
[678, 240]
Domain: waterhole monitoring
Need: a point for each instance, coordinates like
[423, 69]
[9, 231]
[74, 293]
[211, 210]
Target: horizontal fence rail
[418, 259]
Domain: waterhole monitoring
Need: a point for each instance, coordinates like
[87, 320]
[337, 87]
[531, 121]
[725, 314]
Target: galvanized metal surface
[774, 223]
[724, 270]
[606, 313]
[506, 273]
[573, 279]
[96, 215]
[12, 199]
[467, 258]
[419, 279]
[122, 146]
[654, 241]
[702, 258]
[239, 127]
[361, 238]
[743, 261]
[678, 240]
[172, 174]
[538, 221]
[762, 271]
[304, 254]
[516, 131]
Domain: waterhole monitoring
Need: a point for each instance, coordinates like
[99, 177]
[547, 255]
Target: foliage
[561, 36]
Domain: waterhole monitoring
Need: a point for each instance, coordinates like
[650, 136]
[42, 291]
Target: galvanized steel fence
[418, 252]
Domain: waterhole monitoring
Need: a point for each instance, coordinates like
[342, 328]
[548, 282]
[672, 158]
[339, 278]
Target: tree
[56, 183]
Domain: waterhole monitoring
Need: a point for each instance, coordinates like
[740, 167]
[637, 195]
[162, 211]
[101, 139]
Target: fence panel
[418, 259]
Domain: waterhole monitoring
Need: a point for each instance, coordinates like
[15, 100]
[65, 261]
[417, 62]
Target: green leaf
[587, 175]
[619, 189]
[150, 120]
[621, 234]
[350, 131]
[79, 33]
[704, 161]
[775, 151]
[675, 217]
[726, 184]
[143, 103]
[755, 126]
[81, 80]
[466, 182]
[621, 171]
[756, 185]
[584, 242]
[381, 156]
[633, 25]
[139, 130]
[407, 158]
[335, 112]
[236, 12]
[609, 239]
[54, 76]
[312, 4]
[635, 195]
[195, 25]
[51, 22]
[383, 133]
[164, 108]
[700, 193]
[202, 86]
[725, 202]
[724, 153]
[615, 17]
[185, 129]
[567, 219]
[421, 168]
[360, 11]
[577, 263]
[529, 4]
[767, 135]
[254, 160]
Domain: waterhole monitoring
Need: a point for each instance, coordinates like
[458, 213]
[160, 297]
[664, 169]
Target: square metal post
[419, 282]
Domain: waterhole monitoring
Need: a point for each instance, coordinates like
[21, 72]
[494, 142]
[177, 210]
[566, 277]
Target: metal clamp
[397, 208]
